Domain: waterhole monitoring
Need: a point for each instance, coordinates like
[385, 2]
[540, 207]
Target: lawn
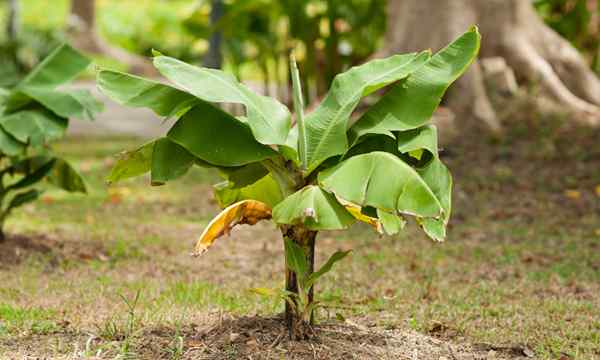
[109, 274]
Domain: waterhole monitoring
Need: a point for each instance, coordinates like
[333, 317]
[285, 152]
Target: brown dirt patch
[17, 248]
[266, 338]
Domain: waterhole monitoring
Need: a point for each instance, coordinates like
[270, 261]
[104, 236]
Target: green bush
[33, 113]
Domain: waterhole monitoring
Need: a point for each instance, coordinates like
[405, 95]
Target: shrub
[32, 114]
[321, 173]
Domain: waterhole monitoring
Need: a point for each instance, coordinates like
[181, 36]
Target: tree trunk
[214, 56]
[511, 29]
[85, 37]
[12, 23]
[305, 238]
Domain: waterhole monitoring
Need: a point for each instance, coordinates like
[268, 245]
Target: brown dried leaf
[244, 212]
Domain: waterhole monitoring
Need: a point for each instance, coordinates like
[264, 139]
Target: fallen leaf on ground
[573, 194]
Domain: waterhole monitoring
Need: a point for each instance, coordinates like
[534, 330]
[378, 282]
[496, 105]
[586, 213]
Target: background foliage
[258, 34]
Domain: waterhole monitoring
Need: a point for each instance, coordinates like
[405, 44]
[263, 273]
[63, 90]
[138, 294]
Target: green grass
[521, 265]
[33, 320]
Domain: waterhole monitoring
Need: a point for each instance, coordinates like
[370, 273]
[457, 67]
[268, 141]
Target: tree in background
[214, 58]
[85, 37]
[511, 30]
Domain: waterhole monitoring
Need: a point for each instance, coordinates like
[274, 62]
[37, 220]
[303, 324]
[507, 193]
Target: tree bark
[511, 29]
[12, 23]
[305, 238]
[85, 37]
[214, 56]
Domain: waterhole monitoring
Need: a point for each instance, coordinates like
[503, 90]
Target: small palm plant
[321, 173]
[34, 113]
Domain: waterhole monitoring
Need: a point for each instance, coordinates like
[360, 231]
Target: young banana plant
[323, 173]
[34, 113]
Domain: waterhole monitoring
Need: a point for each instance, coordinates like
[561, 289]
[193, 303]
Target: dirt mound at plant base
[266, 338]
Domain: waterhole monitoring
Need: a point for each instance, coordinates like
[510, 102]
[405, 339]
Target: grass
[521, 265]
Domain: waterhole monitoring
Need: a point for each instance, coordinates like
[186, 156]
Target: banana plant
[324, 171]
[32, 114]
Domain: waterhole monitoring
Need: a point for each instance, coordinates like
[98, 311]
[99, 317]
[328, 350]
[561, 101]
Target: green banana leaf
[169, 161]
[9, 145]
[326, 126]
[217, 137]
[420, 143]
[60, 67]
[134, 91]
[243, 176]
[265, 190]
[314, 208]
[79, 103]
[269, 120]
[439, 180]
[35, 127]
[411, 103]
[383, 181]
[132, 163]
[65, 177]
[392, 223]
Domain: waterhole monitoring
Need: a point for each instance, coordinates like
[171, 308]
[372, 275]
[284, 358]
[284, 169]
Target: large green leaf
[218, 138]
[169, 161]
[268, 119]
[34, 169]
[265, 190]
[135, 91]
[65, 177]
[326, 126]
[58, 68]
[314, 208]
[34, 127]
[383, 181]
[78, 103]
[23, 198]
[392, 223]
[242, 176]
[9, 145]
[132, 163]
[439, 180]
[420, 143]
[411, 103]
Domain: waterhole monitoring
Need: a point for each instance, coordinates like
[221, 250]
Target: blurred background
[250, 38]
[522, 260]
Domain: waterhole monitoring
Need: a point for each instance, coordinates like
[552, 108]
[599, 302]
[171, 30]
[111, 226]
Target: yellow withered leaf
[244, 212]
[356, 212]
